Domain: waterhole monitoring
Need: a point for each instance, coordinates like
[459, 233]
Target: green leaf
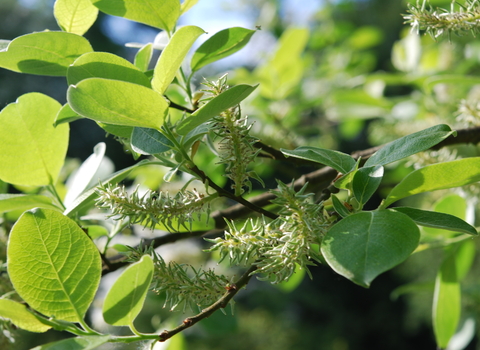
[77, 343]
[75, 16]
[66, 115]
[149, 141]
[365, 183]
[437, 220]
[143, 57]
[117, 102]
[9, 202]
[464, 258]
[187, 5]
[410, 144]
[436, 177]
[339, 161]
[95, 231]
[451, 204]
[117, 130]
[366, 244]
[105, 65]
[339, 207]
[61, 272]
[125, 299]
[215, 106]
[446, 302]
[33, 150]
[84, 175]
[21, 317]
[45, 53]
[173, 55]
[222, 44]
[159, 14]
[86, 199]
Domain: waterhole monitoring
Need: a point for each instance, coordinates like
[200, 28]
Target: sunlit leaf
[21, 317]
[159, 14]
[143, 57]
[9, 202]
[105, 65]
[77, 343]
[117, 102]
[32, 149]
[173, 55]
[215, 106]
[436, 177]
[75, 16]
[45, 53]
[60, 274]
[222, 44]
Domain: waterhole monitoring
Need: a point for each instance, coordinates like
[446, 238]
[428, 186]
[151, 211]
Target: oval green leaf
[149, 141]
[437, 220]
[339, 161]
[215, 106]
[339, 207]
[143, 57]
[9, 202]
[446, 302]
[222, 44]
[173, 55]
[159, 14]
[45, 53]
[33, 150]
[66, 115]
[77, 343]
[410, 144]
[118, 102]
[366, 244]
[125, 299]
[365, 183]
[436, 177]
[105, 65]
[61, 272]
[75, 16]
[21, 317]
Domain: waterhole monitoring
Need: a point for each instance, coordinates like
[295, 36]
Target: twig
[232, 290]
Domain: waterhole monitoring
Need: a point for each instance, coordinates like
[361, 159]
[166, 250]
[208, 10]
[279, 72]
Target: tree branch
[221, 303]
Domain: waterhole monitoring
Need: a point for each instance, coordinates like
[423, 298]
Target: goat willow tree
[199, 136]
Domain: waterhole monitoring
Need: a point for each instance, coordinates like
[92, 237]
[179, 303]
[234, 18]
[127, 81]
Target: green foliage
[196, 138]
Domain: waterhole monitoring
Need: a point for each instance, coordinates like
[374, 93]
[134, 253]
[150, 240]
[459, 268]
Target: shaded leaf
[339, 161]
[77, 343]
[60, 274]
[339, 207]
[410, 144]
[117, 102]
[45, 53]
[366, 244]
[33, 150]
[149, 141]
[366, 182]
[125, 299]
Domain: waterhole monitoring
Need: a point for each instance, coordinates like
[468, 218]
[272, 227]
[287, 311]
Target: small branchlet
[153, 207]
[236, 145]
[440, 21]
[280, 246]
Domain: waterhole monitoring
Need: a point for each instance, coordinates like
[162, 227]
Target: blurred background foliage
[344, 75]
